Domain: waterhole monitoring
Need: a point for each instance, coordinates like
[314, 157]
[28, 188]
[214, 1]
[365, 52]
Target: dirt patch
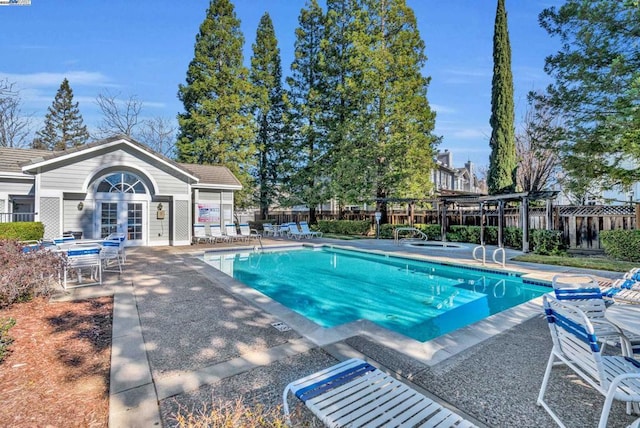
[57, 371]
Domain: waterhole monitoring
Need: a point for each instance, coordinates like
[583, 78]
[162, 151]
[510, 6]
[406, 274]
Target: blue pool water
[418, 299]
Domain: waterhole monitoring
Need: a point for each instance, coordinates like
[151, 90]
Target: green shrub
[547, 242]
[512, 237]
[22, 230]
[386, 230]
[25, 275]
[433, 231]
[621, 244]
[5, 339]
[345, 227]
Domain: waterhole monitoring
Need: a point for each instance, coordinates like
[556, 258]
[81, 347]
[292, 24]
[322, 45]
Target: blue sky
[143, 48]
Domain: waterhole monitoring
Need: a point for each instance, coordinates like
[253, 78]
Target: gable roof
[213, 176]
[12, 159]
[61, 156]
[16, 162]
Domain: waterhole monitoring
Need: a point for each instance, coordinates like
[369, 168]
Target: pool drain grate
[280, 326]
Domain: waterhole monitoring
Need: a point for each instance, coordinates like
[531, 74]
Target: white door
[123, 217]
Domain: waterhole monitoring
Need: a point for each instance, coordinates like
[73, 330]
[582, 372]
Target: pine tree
[596, 91]
[391, 132]
[269, 112]
[308, 182]
[502, 162]
[339, 100]
[217, 126]
[63, 125]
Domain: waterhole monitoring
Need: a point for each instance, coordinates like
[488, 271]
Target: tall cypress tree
[217, 126]
[309, 179]
[502, 162]
[63, 124]
[269, 113]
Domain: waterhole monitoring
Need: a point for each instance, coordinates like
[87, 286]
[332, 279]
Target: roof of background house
[212, 174]
[13, 159]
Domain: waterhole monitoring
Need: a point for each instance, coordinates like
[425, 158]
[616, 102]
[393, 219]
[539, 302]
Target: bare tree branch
[160, 135]
[14, 127]
[537, 156]
[119, 117]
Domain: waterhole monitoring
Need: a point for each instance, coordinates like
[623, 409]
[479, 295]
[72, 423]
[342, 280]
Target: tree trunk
[312, 216]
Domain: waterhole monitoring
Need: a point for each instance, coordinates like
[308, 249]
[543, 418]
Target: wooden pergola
[524, 198]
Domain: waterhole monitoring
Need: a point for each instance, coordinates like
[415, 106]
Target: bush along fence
[580, 227]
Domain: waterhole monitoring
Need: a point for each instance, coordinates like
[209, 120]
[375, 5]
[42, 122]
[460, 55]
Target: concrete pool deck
[183, 337]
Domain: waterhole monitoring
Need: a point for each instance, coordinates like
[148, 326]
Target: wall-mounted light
[80, 206]
[160, 206]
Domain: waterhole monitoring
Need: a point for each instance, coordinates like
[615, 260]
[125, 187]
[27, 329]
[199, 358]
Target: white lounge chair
[304, 227]
[199, 234]
[268, 230]
[294, 232]
[576, 345]
[232, 232]
[355, 394]
[248, 233]
[215, 234]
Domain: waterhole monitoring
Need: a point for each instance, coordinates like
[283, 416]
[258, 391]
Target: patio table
[627, 317]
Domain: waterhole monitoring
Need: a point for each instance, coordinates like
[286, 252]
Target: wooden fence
[580, 225]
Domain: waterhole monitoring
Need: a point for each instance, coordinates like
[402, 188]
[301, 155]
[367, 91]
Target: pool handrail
[396, 240]
[484, 254]
[504, 256]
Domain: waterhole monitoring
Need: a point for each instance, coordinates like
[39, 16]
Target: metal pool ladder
[496, 252]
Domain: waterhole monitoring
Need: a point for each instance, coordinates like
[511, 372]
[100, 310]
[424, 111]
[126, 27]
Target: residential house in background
[447, 177]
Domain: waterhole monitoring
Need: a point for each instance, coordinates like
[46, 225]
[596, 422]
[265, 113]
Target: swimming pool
[418, 299]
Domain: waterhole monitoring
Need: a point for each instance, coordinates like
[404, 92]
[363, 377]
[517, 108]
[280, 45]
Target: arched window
[121, 182]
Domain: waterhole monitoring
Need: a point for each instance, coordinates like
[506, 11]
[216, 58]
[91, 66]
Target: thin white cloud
[469, 134]
[47, 79]
[466, 75]
[439, 108]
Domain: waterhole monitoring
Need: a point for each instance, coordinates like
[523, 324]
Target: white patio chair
[583, 291]
[62, 240]
[294, 232]
[199, 234]
[79, 258]
[123, 248]
[247, 233]
[111, 255]
[304, 227]
[355, 394]
[268, 230]
[215, 234]
[232, 233]
[576, 344]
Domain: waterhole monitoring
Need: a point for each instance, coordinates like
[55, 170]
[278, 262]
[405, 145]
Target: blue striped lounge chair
[294, 232]
[356, 394]
[247, 233]
[304, 227]
[577, 346]
[199, 233]
[583, 292]
[232, 232]
[215, 234]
